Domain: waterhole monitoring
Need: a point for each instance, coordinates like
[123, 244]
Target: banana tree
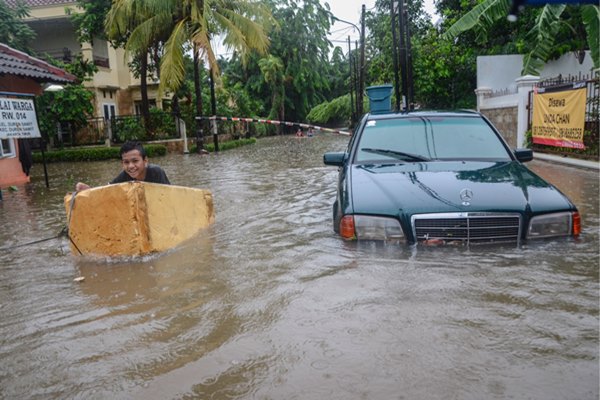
[541, 36]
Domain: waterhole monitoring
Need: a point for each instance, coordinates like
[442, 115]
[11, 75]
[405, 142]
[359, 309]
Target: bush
[162, 124]
[129, 128]
[231, 144]
[94, 154]
[335, 112]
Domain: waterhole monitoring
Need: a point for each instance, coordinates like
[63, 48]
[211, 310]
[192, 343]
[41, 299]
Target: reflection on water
[269, 303]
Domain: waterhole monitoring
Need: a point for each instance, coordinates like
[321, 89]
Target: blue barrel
[380, 98]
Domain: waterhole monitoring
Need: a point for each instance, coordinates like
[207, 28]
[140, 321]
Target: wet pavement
[269, 304]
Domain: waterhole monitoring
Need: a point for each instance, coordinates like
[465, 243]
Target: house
[116, 90]
[21, 78]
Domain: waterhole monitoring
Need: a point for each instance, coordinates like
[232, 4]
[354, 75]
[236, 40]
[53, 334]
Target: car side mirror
[335, 159]
[524, 155]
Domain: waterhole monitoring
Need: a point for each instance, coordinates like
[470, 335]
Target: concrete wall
[503, 94]
[505, 119]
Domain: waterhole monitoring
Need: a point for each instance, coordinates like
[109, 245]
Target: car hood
[413, 188]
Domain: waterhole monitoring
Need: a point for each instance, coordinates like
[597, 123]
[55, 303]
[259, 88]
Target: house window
[108, 110]
[7, 148]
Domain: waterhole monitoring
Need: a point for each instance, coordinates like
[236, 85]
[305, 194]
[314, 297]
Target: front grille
[467, 227]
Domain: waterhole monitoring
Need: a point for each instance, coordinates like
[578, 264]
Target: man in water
[135, 167]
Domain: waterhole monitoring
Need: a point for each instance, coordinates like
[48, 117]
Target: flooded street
[269, 303]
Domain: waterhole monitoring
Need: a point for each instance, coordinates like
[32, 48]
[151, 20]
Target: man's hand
[81, 186]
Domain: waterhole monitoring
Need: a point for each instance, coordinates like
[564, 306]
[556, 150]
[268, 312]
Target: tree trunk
[198, 92]
[145, 106]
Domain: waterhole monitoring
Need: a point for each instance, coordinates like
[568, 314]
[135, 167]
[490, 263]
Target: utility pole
[362, 62]
[403, 67]
[213, 102]
[395, 55]
[358, 65]
[405, 56]
[198, 93]
[358, 98]
[409, 63]
[351, 69]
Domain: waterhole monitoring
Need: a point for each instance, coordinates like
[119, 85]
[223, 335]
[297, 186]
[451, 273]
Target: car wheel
[336, 219]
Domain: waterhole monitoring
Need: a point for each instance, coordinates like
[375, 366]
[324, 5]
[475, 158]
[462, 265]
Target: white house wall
[503, 94]
[500, 72]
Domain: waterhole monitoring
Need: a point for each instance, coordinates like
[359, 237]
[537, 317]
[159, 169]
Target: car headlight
[557, 224]
[365, 227]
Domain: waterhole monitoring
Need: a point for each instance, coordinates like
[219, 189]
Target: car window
[429, 138]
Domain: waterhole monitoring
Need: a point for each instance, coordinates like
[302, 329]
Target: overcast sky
[349, 10]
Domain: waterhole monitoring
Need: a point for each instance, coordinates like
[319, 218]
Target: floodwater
[269, 304]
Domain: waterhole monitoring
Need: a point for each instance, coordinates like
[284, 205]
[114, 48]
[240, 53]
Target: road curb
[574, 162]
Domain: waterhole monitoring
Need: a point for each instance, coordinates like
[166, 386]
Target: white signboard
[18, 119]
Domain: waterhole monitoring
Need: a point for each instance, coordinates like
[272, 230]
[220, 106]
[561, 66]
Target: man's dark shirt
[154, 174]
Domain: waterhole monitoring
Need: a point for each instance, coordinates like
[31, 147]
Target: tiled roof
[39, 3]
[15, 62]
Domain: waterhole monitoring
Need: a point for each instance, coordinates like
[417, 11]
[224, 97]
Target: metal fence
[118, 129]
[160, 126]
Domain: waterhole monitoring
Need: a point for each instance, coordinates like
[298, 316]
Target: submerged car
[441, 178]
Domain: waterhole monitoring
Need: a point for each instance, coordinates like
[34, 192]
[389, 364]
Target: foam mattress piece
[135, 218]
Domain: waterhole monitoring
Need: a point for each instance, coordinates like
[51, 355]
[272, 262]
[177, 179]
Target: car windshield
[419, 139]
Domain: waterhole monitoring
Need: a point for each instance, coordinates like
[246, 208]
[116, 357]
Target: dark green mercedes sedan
[442, 178]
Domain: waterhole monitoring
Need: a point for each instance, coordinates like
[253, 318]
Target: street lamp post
[360, 73]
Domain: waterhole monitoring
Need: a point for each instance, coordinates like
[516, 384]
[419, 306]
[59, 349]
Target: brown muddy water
[269, 304]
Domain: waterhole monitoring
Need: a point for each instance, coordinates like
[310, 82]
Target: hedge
[93, 153]
[228, 145]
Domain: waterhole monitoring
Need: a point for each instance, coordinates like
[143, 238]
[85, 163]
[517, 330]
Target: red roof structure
[15, 62]
[39, 3]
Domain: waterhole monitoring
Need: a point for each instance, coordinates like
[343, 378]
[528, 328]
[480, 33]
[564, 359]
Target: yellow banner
[559, 118]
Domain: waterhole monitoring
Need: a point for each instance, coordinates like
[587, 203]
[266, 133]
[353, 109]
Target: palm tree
[141, 23]
[242, 24]
[542, 35]
[129, 22]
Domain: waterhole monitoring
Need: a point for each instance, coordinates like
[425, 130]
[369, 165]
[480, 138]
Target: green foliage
[335, 112]
[89, 23]
[444, 72]
[72, 105]
[93, 154]
[13, 31]
[228, 145]
[556, 29]
[162, 124]
[295, 78]
[129, 128]
[591, 18]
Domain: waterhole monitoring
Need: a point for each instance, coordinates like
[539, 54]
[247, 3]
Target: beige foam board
[135, 218]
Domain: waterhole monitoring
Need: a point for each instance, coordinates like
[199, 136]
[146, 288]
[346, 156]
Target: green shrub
[334, 112]
[93, 154]
[231, 144]
[162, 124]
[129, 128]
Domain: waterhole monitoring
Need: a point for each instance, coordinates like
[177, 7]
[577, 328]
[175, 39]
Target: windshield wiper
[396, 154]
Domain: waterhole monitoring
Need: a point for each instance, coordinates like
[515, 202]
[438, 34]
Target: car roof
[423, 113]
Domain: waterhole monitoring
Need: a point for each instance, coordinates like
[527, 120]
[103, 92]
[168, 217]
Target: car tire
[336, 219]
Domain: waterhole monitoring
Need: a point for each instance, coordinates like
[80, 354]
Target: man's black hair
[132, 145]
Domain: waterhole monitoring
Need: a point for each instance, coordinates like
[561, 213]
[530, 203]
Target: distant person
[135, 167]
[299, 133]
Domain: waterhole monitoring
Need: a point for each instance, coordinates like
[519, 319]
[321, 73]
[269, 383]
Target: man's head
[133, 145]
[134, 160]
